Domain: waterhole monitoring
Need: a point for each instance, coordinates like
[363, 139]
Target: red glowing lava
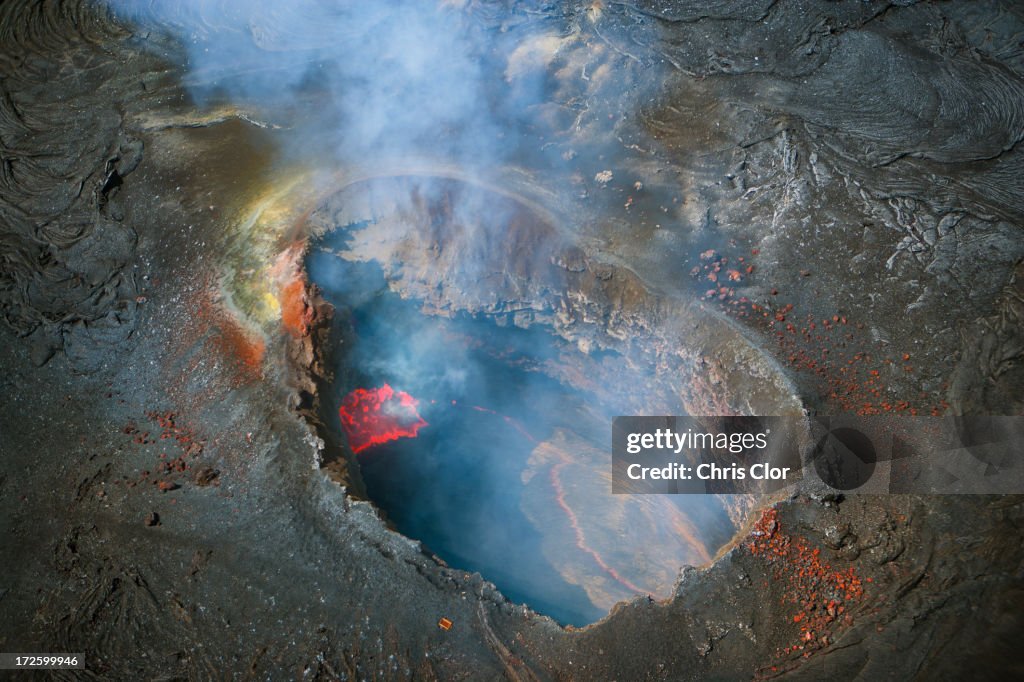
[379, 415]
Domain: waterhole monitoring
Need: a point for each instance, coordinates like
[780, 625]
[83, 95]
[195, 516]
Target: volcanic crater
[489, 349]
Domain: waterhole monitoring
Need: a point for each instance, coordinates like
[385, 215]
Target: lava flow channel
[563, 504]
[379, 415]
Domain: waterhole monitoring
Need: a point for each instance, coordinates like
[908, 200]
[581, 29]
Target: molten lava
[379, 415]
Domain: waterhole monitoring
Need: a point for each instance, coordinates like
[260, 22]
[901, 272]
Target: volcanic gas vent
[478, 402]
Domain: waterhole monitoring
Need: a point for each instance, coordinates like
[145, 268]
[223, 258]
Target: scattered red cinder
[379, 415]
[168, 469]
[825, 349]
[822, 595]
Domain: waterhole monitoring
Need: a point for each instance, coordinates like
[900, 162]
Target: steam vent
[330, 329]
